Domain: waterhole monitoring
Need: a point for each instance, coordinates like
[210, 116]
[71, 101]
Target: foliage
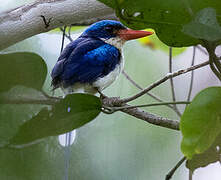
[198, 23]
[28, 72]
[68, 114]
[104, 142]
[211, 155]
[28, 115]
[21, 68]
[176, 23]
[201, 122]
[206, 21]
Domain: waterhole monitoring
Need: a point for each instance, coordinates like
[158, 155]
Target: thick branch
[153, 119]
[109, 102]
[148, 93]
[44, 15]
[143, 115]
[114, 109]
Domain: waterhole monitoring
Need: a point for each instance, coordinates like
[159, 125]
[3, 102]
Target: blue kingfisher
[94, 60]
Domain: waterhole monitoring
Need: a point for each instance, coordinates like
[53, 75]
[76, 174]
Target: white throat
[115, 41]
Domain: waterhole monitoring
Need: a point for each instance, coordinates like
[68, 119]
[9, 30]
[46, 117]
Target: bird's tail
[55, 83]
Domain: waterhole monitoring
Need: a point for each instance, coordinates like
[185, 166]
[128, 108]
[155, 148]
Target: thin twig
[171, 81]
[165, 78]
[29, 101]
[140, 114]
[190, 175]
[108, 102]
[139, 87]
[69, 33]
[148, 93]
[114, 109]
[202, 50]
[213, 59]
[172, 171]
[192, 75]
[170, 71]
[211, 49]
[63, 36]
[216, 72]
[213, 68]
[216, 62]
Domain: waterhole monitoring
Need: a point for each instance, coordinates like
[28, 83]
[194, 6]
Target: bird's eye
[109, 29]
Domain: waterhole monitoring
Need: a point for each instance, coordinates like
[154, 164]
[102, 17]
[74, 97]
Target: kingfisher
[94, 60]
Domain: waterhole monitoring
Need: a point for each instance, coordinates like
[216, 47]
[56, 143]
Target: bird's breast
[107, 80]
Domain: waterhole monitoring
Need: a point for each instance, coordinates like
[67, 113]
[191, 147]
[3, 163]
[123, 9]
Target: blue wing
[87, 60]
[59, 66]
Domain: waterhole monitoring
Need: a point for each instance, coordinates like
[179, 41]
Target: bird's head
[113, 32]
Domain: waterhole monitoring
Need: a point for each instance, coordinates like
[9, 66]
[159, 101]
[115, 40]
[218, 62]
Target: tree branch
[140, 114]
[139, 87]
[202, 50]
[148, 93]
[43, 15]
[62, 41]
[213, 59]
[171, 81]
[68, 36]
[165, 78]
[152, 118]
[172, 171]
[107, 102]
[192, 75]
[51, 101]
[114, 109]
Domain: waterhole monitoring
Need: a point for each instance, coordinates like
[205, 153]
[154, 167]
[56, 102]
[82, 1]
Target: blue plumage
[103, 29]
[94, 59]
[87, 58]
[83, 61]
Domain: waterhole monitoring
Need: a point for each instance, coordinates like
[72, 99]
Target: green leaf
[201, 122]
[211, 155]
[167, 18]
[70, 113]
[35, 162]
[16, 108]
[22, 68]
[204, 26]
[104, 142]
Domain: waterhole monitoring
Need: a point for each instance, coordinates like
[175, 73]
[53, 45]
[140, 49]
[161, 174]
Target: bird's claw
[102, 96]
[111, 101]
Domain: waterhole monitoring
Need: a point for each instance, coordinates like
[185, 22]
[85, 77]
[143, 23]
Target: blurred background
[117, 146]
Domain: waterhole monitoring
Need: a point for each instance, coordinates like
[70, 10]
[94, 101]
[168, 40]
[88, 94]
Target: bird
[94, 60]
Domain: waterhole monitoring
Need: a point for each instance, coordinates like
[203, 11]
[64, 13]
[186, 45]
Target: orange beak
[129, 34]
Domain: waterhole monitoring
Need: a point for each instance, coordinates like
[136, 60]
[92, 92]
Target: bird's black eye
[109, 29]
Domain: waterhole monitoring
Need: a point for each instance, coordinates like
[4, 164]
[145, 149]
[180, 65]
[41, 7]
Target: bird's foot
[111, 101]
[102, 96]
